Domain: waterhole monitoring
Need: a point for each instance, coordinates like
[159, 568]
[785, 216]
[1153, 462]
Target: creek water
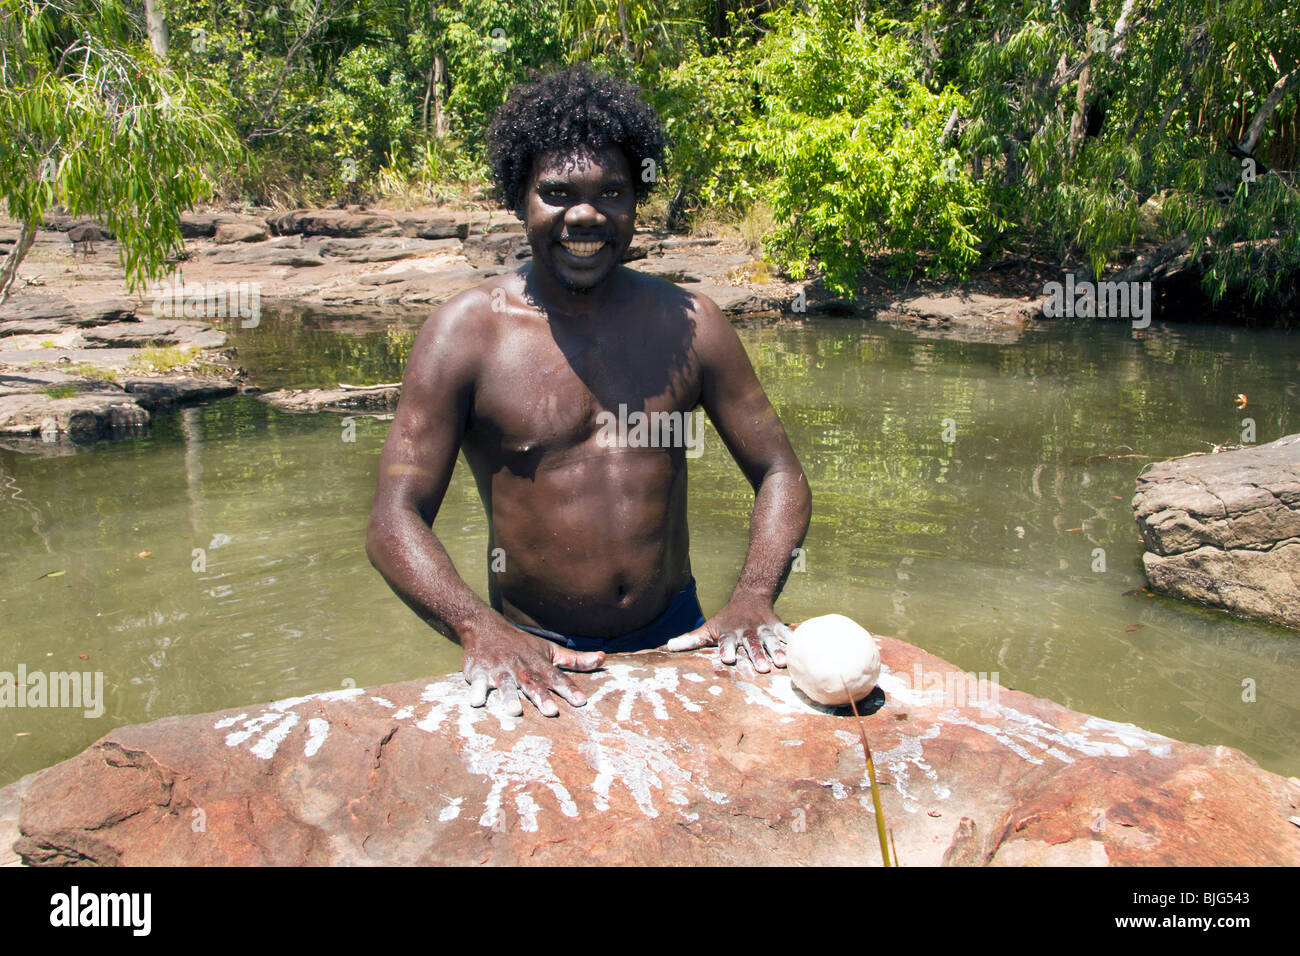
[219, 561]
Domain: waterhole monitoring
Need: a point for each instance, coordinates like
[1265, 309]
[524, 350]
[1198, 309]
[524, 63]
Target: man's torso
[588, 536]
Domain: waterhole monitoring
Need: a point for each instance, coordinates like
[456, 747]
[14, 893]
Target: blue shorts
[683, 614]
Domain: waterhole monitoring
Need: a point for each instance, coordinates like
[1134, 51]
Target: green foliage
[362, 118]
[703, 101]
[491, 45]
[1164, 98]
[830, 113]
[314, 86]
[852, 161]
[634, 38]
[94, 122]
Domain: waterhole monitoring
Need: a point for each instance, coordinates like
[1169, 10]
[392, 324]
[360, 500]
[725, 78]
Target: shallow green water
[979, 550]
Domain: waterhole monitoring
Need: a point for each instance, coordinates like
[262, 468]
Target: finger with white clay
[536, 692]
[478, 688]
[577, 660]
[753, 645]
[691, 640]
[727, 647]
[772, 644]
[508, 692]
[567, 689]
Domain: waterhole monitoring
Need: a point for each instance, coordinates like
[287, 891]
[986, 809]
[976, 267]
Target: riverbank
[81, 361]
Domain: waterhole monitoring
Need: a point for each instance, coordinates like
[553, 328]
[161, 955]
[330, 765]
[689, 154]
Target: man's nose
[583, 214]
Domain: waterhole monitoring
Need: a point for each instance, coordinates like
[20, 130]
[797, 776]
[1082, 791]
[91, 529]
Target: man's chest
[540, 395]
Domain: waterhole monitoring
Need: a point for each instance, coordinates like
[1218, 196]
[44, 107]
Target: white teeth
[583, 248]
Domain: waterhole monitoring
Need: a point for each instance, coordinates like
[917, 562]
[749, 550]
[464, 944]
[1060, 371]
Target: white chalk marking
[317, 730]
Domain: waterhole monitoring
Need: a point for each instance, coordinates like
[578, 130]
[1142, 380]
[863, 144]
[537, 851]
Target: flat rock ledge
[369, 400]
[34, 406]
[75, 373]
[676, 759]
[1224, 529]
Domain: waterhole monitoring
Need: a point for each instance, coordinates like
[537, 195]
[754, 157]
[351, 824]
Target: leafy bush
[847, 148]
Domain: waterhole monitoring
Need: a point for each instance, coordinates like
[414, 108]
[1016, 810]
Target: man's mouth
[586, 249]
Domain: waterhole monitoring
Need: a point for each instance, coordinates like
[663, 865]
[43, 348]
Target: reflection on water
[986, 550]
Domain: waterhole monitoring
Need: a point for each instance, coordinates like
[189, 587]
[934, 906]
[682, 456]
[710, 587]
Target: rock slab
[676, 759]
[1224, 529]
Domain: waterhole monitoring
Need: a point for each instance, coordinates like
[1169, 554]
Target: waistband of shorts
[682, 614]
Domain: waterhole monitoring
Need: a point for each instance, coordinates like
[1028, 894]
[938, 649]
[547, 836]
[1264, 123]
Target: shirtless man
[588, 540]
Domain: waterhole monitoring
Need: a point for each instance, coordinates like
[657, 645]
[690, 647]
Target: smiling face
[580, 215]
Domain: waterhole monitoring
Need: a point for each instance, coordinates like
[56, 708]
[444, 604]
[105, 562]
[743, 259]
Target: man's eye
[613, 193]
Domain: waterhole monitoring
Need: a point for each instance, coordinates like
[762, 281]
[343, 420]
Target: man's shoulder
[466, 319]
[669, 294]
[457, 334]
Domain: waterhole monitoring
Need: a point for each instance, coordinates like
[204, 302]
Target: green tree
[1081, 111]
[91, 120]
[851, 151]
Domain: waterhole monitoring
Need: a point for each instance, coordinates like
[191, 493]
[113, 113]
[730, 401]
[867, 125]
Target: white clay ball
[826, 654]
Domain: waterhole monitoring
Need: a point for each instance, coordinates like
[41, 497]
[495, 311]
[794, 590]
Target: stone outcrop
[1224, 529]
[77, 372]
[228, 232]
[153, 332]
[102, 411]
[676, 759]
[355, 222]
[210, 225]
[369, 400]
[169, 391]
[33, 404]
[383, 249]
[28, 314]
[971, 316]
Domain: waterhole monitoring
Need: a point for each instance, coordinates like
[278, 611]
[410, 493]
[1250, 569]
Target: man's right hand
[509, 661]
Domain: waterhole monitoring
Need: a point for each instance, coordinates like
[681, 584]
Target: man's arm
[739, 408]
[414, 470]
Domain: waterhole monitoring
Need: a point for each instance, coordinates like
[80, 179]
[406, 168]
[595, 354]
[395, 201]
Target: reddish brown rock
[677, 759]
[228, 232]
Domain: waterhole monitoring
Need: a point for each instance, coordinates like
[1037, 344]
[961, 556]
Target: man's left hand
[750, 624]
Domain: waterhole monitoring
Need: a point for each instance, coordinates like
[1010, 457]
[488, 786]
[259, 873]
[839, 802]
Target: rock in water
[1224, 529]
[829, 653]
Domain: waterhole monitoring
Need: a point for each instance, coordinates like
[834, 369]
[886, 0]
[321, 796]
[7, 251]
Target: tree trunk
[1079, 122]
[1011, 157]
[424, 111]
[9, 270]
[157, 27]
[440, 120]
[1281, 88]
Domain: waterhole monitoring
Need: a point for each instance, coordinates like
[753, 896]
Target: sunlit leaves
[94, 122]
[847, 151]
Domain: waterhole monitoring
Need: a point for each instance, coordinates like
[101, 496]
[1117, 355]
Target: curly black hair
[570, 110]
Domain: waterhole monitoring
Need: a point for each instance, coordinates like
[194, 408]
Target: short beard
[572, 286]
